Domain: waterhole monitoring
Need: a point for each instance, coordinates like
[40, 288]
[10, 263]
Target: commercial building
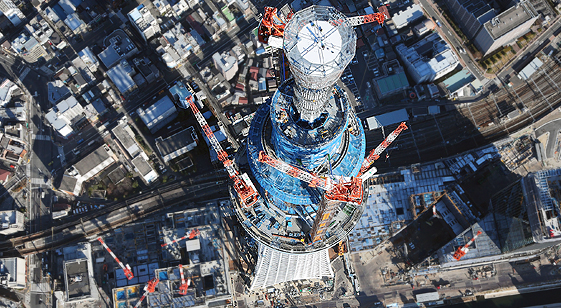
[12, 272]
[120, 75]
[85, 169]
[89, 59]
[79, 281]
[471, 15]
[227, 64]
[12, 149]
[8, 89]
[177, 144]
[506, 28]
[125, 135]
[12, 12]
[11, 222]
[159, 114]
[57, 90]
[119, 47]
[428, 59]
[65, 115]
[75, 24]
[144, 22]
[411, 14]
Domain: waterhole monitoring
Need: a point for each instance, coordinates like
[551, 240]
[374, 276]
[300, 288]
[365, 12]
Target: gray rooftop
[77, 278]
[126, 140]
[176, 141]
[91, 161]
[509, 20]
[142, 165]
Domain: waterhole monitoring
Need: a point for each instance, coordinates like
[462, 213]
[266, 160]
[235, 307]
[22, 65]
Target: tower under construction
[305, 149]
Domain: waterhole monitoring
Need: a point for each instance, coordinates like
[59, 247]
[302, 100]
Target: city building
[304, 125]
[12, 272]
[143, 168]
[79, 280]
[65, 115]
[424, 27]
[85, 169]
[177, 144]
[40, 29]
[12, 12]
[506, 28]
[471, 15]
[519, 225]
[119, 47]
[530, 69]
[126, 138]
[12, 149]
[428, 59]
[120, 75]
[11, 222]
[159, 114]
[57, 90]
[26, 45]
[391, 84]
[144, 22]
[75, 24]
[89, 59]
[461, 84]
[226, 64]
[404, 18]
[4, 176]
[8, 89]
[184, 43]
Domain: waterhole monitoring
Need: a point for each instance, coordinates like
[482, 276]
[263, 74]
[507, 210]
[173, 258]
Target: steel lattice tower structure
[308, 123]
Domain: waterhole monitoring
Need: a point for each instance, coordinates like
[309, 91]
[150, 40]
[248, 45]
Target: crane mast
[248, 196]
[272, 25]
[191, 235]
[149, 288]
[126, 269]
[462, 250]
[375, 154]
[184, 285]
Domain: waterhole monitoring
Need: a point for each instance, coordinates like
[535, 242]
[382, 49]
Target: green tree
[135, 184]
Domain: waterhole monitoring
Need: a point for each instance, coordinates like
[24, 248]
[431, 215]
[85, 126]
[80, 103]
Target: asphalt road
[553, 128]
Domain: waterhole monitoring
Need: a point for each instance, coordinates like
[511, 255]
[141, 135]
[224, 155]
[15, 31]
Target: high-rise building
[308, 124]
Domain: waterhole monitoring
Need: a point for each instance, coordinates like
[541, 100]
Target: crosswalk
[24, 74]
[61, 155]
[41, 181]
[41, 137]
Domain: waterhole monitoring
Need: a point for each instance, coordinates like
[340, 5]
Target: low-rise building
[11, 222]
[119, 47]
[159, 114]
[530, 69]
[25, 44]
[12, 149]
[428, 59]
[177, 144]
[121, 78]
[75, 24]
[85, 169]
[89, 59]
[125, 136]
[12, 12]
[56, 91]
[391, 84]
[409, 15]
[461, 84]
[143, 168]
[64, 116]
[424, 27]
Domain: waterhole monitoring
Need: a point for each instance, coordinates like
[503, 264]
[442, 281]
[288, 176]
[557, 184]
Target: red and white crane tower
[272, 25]
[126, 269]
[150, 287]
[336, 188]
[462, 250]
[191, 235]
[184, 284]
[247, 195]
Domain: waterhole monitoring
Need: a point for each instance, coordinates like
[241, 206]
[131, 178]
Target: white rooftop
[319, 42]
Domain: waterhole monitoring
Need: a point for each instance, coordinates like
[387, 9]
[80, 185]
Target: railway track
[113, 216]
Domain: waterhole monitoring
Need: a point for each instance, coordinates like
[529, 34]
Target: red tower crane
[462, 250]
[247, 195]
[150, 287]
[375, 154]
[272, 25]
[191, 235]
[184, 285]
[126, 269]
